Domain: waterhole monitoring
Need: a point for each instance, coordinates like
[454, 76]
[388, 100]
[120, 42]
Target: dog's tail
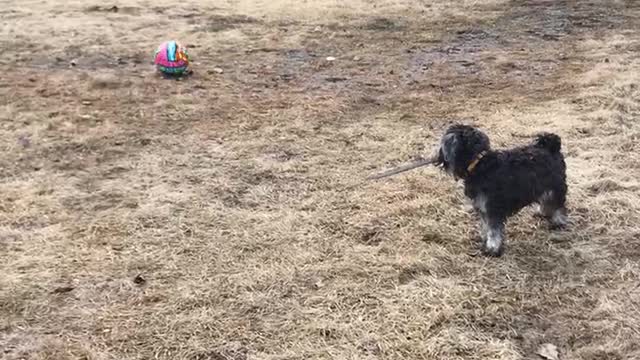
[549, 141]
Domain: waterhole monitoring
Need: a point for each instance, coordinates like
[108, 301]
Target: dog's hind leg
[559, 219]
[552, 207]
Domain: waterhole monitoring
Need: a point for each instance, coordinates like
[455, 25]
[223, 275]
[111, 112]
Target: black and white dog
[501, 183]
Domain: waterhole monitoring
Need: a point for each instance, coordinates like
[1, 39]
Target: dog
[499, 183]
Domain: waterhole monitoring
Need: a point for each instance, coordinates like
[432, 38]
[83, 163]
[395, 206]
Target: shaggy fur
[501, 183]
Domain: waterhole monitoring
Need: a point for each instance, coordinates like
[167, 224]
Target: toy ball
[171, 58]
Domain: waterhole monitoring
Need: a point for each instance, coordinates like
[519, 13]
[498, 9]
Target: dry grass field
[225, 216]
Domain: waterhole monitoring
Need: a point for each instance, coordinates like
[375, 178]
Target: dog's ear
[449, 148]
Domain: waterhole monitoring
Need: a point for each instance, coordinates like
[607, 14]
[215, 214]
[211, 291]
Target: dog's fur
[503, 182]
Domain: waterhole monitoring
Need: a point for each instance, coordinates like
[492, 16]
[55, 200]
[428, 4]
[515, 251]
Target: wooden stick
[403, 168]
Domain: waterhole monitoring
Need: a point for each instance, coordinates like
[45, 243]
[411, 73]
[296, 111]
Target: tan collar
[475, 161]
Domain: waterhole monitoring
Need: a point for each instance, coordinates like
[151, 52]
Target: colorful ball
[171, 58]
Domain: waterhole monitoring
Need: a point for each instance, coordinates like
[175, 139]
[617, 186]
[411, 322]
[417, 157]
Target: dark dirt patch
[513, 53]
[411, 272]
[75, 58]
[107, 8]
[383, 24]
[127, 10]
[100, 201]
[372, 237]
[217, 23]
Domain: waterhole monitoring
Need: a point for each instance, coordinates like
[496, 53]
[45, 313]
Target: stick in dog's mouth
[410, 166]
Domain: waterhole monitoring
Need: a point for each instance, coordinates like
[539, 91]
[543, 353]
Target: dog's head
[460, 144]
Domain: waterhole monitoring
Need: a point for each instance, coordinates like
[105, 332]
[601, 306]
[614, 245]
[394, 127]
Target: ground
[225, 216]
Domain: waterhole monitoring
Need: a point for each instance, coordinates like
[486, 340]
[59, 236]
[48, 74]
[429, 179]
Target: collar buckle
[475, 162]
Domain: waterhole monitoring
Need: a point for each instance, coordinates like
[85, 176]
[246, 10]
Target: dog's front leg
[494, 242]
[484, 226]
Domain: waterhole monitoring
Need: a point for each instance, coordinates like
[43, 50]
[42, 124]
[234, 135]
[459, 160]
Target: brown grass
[224, 216]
